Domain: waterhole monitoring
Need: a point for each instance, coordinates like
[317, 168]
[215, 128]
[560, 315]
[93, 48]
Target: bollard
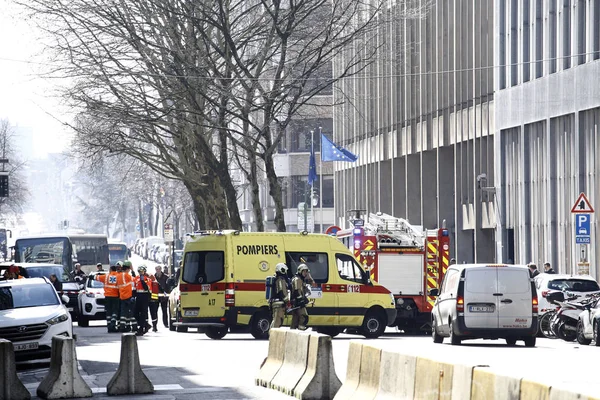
[11, 387]
[320, 380]
[129, 378]
[274, 359]
[63, 380]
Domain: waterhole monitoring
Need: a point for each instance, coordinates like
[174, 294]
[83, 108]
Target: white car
[91, 302]
[587, 325]
[31, 312]
[579, 285]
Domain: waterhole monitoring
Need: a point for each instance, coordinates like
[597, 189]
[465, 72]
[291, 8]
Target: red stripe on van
[337, 288]
[260, 287]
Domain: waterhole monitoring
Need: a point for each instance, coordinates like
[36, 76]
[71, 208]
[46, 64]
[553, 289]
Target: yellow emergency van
[222, 284]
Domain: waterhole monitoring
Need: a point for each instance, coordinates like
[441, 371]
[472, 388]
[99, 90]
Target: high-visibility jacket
[125, 283]
[154, 288]
[139, 287]
[111, 288]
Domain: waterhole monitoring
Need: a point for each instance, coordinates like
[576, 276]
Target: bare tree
[19, 194]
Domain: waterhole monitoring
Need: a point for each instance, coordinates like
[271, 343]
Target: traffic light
[4, 185]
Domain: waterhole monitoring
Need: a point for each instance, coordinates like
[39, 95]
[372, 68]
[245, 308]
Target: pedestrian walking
[111, 296]
[280, 295]
[163, 293]
[300, 298]
[127, 321]
[142, 285]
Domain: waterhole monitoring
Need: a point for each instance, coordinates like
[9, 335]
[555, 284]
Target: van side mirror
[434, 292]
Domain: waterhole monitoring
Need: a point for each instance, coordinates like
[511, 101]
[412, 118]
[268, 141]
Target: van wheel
[83, 322]
[454, 340]
[373, 325]
[511, 341]
[260, 325]
[529, 341]
[436, 338]
[216, 333]
[330, 330]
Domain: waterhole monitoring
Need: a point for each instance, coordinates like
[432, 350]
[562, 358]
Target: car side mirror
[434, 292]
[64, 298]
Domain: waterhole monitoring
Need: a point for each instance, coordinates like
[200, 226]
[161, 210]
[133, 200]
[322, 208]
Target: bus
[85, 249]
[117, 251]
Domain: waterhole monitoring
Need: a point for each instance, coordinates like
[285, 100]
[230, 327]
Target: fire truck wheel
[373, 324]
[260, 324]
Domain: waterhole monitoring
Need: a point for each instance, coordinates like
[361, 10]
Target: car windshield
[94, 284]
[574, 285]
[27, 296]
[46, 271]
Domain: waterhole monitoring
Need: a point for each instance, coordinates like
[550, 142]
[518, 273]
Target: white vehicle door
[515, 300]
[446, 302]
[481, 298]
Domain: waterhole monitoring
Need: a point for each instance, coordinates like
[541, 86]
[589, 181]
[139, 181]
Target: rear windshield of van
[573, 285]
[203, 267]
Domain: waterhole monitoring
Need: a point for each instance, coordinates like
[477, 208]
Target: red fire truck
[406, 259]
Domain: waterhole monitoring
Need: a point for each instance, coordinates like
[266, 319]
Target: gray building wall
[547, 104]
[421, 120]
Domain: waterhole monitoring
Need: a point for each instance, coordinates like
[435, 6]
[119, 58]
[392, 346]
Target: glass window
[349, 269]
[27, 296]
[449, 280]
[316, 263]
[481, 281]
[38, 272]
[513, 281]
[575, 285]
[42, 250]
[204, 267]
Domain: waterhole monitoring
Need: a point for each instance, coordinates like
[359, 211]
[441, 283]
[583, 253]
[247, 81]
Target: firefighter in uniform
[153, 306]
[127, 301]
[142, 286]
[300, 298]
[281, 296]
[111, 294]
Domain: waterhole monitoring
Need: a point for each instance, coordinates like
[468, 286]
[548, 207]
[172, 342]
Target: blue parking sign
[582, 224]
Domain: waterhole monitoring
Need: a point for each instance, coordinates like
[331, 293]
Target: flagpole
[312, 186]
[321, 176]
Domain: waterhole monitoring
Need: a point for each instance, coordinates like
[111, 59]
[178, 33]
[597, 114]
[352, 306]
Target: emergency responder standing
[126, 300]
[300, 298]
[111, 294]
[142, 300]
[13, 272]
[153, 305]
[280, 296]
[163, 298]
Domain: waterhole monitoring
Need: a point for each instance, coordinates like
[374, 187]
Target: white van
[487, 301]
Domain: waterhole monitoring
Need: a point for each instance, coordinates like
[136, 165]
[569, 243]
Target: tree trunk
[255, 193]
[140, 218]
[150, 220]
[275, 193]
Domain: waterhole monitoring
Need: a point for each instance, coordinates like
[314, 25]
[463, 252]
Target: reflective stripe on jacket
[124, 282]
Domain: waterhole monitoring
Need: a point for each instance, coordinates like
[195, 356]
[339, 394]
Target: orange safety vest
[125, 284]
[155, 287]
[138, 283]
[111, 289]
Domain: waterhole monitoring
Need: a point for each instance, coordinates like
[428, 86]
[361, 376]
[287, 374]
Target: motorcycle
[564, 322]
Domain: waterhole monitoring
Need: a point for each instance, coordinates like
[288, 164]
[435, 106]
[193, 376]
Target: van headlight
[58, 319]
[392, 296]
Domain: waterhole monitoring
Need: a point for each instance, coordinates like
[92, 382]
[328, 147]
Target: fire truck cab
[405, 258]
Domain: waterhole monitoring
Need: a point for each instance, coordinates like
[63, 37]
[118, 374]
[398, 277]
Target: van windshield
[203, 267]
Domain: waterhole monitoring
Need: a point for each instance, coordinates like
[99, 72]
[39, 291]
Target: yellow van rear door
[203, 284]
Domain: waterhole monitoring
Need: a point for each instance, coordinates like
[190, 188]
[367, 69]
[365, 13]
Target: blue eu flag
[312, 167]
[332, 152]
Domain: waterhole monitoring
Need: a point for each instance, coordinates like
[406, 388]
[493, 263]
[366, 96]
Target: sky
[25, 97]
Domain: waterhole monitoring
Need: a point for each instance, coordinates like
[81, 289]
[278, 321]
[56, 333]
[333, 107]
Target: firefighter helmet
[281, 268]
[142, 268]
[302, 267]
[127, 263]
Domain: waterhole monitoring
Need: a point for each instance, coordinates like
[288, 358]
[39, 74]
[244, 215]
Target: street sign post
[168, 233]
[583, 211]
[305, 215]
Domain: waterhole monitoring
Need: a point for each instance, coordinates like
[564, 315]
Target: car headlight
[90, 295]
[58, 319]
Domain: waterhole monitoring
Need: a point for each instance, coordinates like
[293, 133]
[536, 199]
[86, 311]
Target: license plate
[191, 313]
[26, 346]
[481, 308]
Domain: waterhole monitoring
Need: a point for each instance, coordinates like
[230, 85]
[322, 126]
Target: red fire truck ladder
[394, 232]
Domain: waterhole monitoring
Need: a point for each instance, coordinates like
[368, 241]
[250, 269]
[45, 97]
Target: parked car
[31, 312]
[147, 246]
[91, 302]
[485, 301]
[579, 285]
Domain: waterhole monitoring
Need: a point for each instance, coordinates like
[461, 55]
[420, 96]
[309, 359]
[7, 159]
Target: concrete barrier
[352, 371]
[11, 387]
[294, 363]
[319, 380]
[433, 380]
[274, 359]
[63, 380]
[531, 390]
[397, 376]
[129, 378]
[565, 394]
[489, 385]
[370, 371]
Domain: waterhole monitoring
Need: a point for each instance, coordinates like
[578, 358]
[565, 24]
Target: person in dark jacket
[548, 268]
[163, 292]
[56, 283]
[533, 271]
